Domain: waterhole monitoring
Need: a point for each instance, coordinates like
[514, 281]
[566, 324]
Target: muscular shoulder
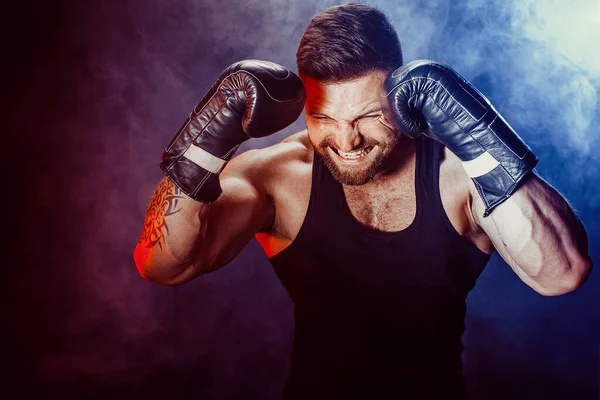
[296, 146]
[274, 165]
[282, 173]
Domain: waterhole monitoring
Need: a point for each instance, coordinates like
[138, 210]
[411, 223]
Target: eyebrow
[365, 113]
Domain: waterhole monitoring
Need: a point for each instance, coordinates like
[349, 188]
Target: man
[378, 218]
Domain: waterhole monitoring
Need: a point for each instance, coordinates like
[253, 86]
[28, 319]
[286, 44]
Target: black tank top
[378, 314]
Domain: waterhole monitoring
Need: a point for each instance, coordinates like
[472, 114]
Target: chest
[388, 208]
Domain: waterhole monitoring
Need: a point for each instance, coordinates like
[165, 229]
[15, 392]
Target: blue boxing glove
[426, 97]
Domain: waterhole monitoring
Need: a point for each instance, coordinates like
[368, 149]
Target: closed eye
[321, 118]
[369, 117]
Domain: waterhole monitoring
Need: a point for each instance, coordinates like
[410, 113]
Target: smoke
[563, 42]
[129, 74]
[538, 64]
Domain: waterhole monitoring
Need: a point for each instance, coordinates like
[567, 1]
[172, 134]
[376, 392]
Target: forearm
[541, 238]
[169, 245]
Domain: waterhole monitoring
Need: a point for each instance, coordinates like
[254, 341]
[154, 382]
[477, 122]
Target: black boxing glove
[426, 97]
[251, 98]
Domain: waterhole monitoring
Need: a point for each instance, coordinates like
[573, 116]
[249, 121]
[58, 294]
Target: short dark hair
[347, 41]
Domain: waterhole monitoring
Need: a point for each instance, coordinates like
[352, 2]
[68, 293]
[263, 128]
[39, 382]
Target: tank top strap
[429, 175]
[428, 170]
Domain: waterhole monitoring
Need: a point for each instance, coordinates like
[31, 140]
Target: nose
[347, 137]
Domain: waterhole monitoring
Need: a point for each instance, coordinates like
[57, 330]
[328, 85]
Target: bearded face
[347, 128]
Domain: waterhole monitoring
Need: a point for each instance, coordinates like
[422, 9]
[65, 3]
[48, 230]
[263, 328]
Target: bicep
[243, 209]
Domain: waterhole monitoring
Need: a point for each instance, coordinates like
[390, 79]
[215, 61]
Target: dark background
[94, 90]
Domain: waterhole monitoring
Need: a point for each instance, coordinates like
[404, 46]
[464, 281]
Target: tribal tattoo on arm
[165, 201]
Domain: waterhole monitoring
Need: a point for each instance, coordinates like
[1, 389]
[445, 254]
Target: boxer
[377, 218]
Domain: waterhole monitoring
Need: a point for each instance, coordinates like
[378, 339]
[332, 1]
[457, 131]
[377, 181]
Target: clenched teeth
[354, 154]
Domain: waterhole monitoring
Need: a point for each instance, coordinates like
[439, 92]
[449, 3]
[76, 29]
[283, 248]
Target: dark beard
[356, 176]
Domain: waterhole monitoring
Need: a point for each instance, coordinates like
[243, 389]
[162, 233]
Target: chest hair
[387, 208]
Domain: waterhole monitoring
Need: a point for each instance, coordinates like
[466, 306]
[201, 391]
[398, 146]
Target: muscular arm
[532, 228]
[537, 233]
[183, 238]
